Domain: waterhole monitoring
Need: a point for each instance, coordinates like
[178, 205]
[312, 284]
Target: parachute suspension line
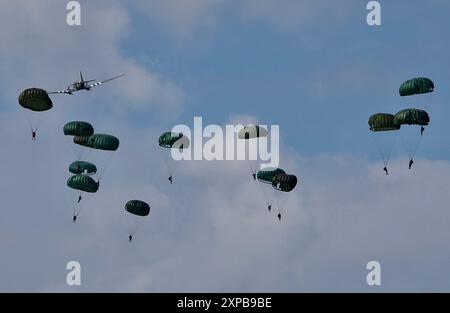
[133, 225]
[265, 194]
[391, 148]
[385, 156]
[171, 164]
[105, 166]
[77, 206]
[281, 203]
[29, 117]
[169, 168]
[79, 153]
[411, 152]
[380, 151]
[252, 166]
[416, 148]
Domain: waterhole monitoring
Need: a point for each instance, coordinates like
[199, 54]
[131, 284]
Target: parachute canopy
[383, 122]
[266, 174]
[103, 142]
[78, 128]
[173, 141]
[83, 183]
[35, 99]
[137, 207]
[416, 86]
[81, 167]
[81, 140]
[252, 131]
[284, 182]
[412, 117]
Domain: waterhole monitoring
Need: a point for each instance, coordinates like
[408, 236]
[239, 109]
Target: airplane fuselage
[79, 86]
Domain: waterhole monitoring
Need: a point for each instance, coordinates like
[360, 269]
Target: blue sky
[316, 69]
[258, 68]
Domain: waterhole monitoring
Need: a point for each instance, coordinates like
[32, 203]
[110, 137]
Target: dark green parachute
[137, 207]
[284, 182]
[416, 86]
[383, 122]
[83, 183]
[252, 131]
[78, 128]
[266, 174]
[173, 141]
[82, 167]
[103, 142]
[35, 99]
[81, 140]
[412, 117]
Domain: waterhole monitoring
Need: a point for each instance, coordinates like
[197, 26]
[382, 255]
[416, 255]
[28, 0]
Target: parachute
[411, 137]
[81, 167]
[81, 140]
[169, 141]
[383, 122]
[382, 125]
[412, 117]
[284, 182]
[266, 175]
[103, 142]
[137, 210]
[137, 207]
[252, 131]
[35, 99]
[172, 140]
[78, 128]
[416, 86]
[83, 183]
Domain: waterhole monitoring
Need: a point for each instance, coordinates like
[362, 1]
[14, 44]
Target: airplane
[83, 85]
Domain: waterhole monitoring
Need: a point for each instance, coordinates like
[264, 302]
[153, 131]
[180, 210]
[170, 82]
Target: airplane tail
[81, 76]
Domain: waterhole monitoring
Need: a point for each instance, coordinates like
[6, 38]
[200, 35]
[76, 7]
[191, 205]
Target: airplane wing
[104, 81]
[61, 91]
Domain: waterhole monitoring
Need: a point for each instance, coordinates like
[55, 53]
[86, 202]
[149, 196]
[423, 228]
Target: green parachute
[137, 210]
[103, 142]
[98, 142]
[83, 183]
[82, 167]
[416, 86]
[284, 182]
[266, 174]
[412, 117]
[173, 140]
[384, 131]
[35, 99]
[137, 207]
[81, 140]
[252, 131]
[78, 129]
[169, 141]
[383, 122]
[252, 134]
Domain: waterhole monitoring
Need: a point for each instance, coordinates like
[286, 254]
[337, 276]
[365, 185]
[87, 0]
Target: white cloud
[211, 230]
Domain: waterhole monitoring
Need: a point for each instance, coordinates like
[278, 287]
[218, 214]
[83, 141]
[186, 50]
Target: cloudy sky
[313, 67]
